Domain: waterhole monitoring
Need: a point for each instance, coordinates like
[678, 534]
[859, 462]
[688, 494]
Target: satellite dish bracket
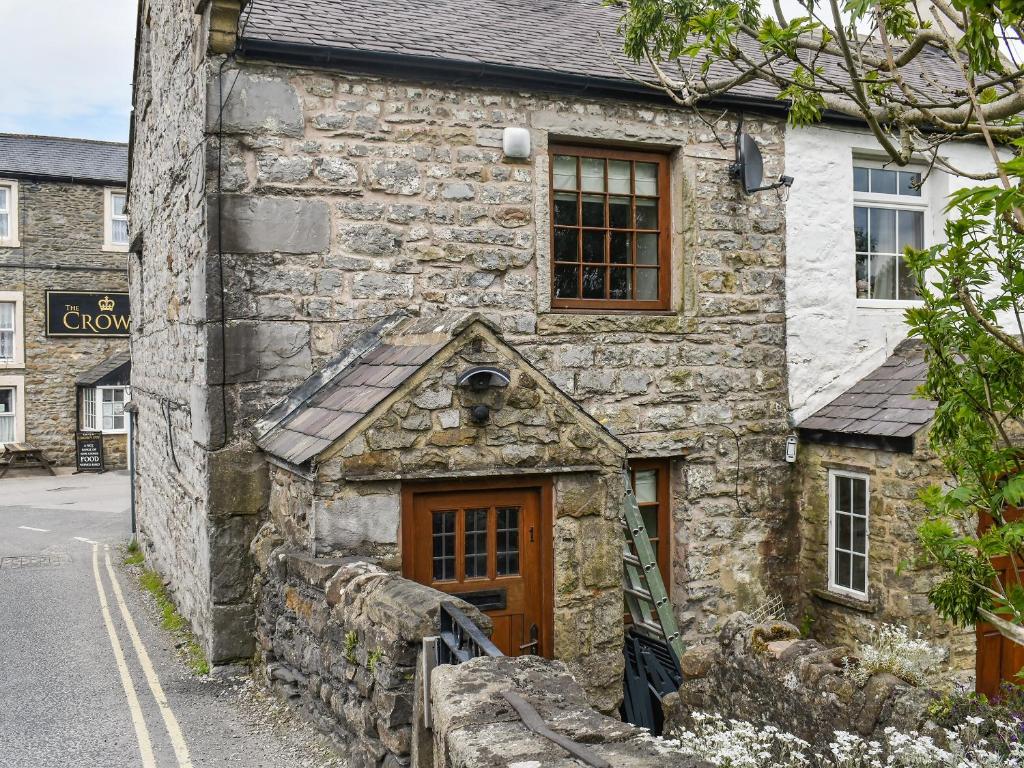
[748, 158]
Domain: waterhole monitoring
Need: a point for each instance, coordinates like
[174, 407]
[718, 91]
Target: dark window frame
[664, 230]
[663, 541]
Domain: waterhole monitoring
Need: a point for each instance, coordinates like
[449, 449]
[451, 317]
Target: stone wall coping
[442, 474]
[475, 726]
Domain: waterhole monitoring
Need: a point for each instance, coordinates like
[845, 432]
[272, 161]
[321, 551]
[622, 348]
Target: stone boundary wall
[339, 639]
[765, 674]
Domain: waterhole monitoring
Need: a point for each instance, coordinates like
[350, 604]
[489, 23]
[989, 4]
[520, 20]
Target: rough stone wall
[341, 643]
[897, 585]
[348, 197]
[764, 674]
[168, 279]
[61, 248]
[474, 726]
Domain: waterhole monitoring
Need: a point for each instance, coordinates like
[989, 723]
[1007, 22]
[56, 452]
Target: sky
[68, 68]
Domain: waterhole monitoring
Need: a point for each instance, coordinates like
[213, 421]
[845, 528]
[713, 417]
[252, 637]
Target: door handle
[534, 642]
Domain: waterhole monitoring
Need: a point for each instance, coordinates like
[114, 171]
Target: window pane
[593, 246]
[910, 182]
[647, 284]
[843, 531]
[647, 249]
[858, 581]
[6, 427]
[911, 230]
[119, 231]
[567, 281]
[508, 541]
[908, 283]
[650, 516]
[565, 172]
[7, 315]
[4, 225]
[619, 213]
[646, 179]
[883, 181]
[646, 214]
[883, 230]
[646, 486]
[6, 345]
[621, 245]
[566, 244]
[7, 400]
[842, 500]
[444, 545]
[620, 283]
[593, 282]
[117, 205]
[565, 209]
[592, 174]
[476, 543]
[860, 179]
[3, 199]
[860, 228]
[883, 276]
[618, 176]
[593, 210]
[863, 281]
[842, 569]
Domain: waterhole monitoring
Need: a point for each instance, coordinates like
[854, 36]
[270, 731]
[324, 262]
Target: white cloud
[68, 65]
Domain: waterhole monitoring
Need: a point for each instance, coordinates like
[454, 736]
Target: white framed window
[889, 213]
[115, 220]
[12, 347]
[8, 214]
[103, 409]
[89, 409]
[848, 533]
[12, 409]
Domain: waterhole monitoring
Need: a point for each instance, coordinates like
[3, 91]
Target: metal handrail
[461, 638]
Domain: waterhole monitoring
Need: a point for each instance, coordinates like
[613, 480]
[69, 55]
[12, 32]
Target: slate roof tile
[882, 403]
[569, 37]
[62, 158]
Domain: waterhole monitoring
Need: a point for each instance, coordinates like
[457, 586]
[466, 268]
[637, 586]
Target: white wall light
[515, 142]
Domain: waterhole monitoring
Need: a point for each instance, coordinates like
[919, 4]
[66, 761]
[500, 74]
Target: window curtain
[6, 330]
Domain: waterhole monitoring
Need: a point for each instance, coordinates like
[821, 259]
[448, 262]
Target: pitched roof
[331, 401]
[882, 404]
[62, 158]
[566, 37]
[116, 369]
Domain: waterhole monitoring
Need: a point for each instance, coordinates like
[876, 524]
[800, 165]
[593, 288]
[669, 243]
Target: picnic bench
[23, 455]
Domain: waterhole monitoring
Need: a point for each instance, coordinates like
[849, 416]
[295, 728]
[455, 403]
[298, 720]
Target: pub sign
[89, 313]
[89, 452]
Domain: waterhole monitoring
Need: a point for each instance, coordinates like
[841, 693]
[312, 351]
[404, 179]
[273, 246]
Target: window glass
[7, 415]
[111, 402]
[5, 210]
[443, 533]
[7, 317]
[476, 543]
[651, 489]
[606, 224]
[118, 220]
[883, 181]
[849, 537]
[89, 409]
[860, 180]
[507, 538]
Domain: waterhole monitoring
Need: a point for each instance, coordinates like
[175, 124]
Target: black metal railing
[461, 639]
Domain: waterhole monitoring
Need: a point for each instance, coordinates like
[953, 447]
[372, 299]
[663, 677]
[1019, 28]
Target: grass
[170, 619]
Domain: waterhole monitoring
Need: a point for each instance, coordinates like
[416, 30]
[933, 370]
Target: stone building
[287, 195]
[63, 294]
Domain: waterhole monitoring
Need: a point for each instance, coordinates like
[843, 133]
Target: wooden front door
[486, 547]
[998, 659]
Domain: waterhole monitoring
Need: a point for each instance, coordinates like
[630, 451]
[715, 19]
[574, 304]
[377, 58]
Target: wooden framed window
[848, 534]
[610, 229]
[650, 478]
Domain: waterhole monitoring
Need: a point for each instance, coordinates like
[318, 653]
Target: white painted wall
[834, 339]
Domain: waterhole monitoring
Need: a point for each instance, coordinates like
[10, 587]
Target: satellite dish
[749, 166]
[750, 163]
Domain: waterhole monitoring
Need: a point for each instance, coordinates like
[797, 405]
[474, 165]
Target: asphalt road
[79, 687]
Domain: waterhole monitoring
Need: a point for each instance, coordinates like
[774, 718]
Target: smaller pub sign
[89, 452]
[89, 313]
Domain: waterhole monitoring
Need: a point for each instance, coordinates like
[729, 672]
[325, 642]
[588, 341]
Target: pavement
[88, 677]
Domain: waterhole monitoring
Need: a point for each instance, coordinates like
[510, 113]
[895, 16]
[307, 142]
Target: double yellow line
[138, 721]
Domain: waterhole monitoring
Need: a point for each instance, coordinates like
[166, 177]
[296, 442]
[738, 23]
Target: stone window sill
[863, 606]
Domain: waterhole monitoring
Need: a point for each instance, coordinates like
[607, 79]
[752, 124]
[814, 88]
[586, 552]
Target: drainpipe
[132, 409]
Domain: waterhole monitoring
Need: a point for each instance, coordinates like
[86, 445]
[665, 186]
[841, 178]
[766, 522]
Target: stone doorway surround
[389, 414]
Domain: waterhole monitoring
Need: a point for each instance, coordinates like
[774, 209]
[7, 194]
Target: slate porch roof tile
[881, 404]
[63, 158]
[102, 370]
[568, 37]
